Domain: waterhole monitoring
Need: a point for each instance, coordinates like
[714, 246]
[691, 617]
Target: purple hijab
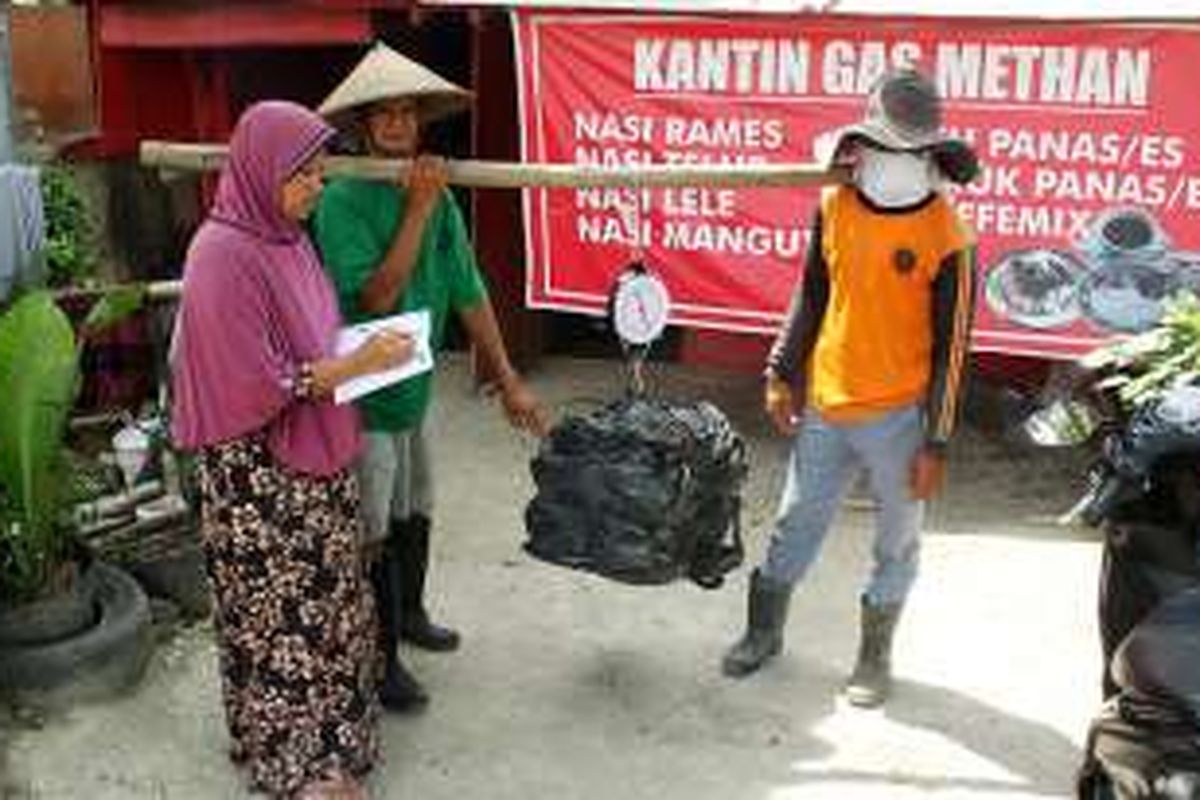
[256, 305]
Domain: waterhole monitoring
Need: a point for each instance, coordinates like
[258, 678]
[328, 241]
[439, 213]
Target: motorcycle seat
[1158, 659]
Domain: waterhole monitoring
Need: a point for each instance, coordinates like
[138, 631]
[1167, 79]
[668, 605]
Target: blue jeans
[824, 458]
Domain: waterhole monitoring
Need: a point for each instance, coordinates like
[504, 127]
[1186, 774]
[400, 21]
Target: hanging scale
[639, 304]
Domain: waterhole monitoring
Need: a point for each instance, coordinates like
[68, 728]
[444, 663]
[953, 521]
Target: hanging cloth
[22, 226]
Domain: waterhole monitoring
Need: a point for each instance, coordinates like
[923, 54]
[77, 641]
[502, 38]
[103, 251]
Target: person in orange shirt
[868, 367]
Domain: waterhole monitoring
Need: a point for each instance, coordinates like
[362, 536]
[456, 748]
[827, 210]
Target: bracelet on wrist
[304, 384]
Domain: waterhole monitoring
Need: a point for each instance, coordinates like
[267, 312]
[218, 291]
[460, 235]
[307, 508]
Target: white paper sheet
[414, 323]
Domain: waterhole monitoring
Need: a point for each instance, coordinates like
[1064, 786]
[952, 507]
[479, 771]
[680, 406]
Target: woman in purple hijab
[253, 369]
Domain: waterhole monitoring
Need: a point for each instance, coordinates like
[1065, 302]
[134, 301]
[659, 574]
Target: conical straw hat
[383, 74]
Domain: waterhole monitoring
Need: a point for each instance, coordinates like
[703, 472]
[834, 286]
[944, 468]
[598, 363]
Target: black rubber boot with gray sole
[767, 608]
[871, 682]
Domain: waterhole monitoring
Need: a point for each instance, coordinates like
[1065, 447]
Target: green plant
[1148, 364]
[114, 305]
[39, 369]
[70, 253]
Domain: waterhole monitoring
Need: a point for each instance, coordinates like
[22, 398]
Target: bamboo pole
[191, 157]
[159, 291]
[506, 175]
[156, 291]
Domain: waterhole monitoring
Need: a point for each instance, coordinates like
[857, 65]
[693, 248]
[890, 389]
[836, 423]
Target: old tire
[51, 619]
[100, 661]
[178, 576]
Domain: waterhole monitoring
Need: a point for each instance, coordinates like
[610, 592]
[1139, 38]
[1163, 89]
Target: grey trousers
[396, 480]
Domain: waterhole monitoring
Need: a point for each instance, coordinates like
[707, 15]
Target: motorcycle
[1144, 495]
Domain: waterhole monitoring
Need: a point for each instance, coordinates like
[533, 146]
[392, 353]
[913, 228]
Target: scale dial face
[641, 306]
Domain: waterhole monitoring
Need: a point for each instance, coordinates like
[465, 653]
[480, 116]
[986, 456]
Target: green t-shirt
[354, 226]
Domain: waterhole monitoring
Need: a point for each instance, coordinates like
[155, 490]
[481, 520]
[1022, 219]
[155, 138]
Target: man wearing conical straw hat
[390, 248]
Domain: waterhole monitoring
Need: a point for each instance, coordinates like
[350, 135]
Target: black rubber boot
[399, 690]
[871, 682]
[410, 540]
[763, 639]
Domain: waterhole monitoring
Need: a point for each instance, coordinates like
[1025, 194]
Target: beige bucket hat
[384, 74]
[904, 112]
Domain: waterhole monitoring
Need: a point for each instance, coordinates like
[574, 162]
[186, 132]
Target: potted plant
[66, 622]
[38, 365]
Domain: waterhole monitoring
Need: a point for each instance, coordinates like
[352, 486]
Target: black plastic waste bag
[642, 492]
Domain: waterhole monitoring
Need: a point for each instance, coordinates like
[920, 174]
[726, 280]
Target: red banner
[1088, 212]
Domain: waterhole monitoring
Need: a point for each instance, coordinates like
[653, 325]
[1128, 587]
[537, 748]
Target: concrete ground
[574, 688]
